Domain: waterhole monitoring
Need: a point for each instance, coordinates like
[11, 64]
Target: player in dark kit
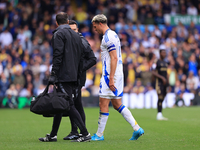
[161, 81]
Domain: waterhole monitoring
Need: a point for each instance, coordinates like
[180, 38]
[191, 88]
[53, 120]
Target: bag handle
[46, 89]
[54, 89]
[62, 89]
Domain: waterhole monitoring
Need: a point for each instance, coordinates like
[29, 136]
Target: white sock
[103, 117]
[159, 114]
[128, 117]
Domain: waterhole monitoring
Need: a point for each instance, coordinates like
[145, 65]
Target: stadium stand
[26, 53]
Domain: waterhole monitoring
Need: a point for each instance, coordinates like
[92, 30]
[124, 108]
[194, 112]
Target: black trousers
[79, 106]
[73, 113]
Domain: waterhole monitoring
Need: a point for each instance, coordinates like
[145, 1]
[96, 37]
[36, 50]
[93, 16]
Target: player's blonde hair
[99, 19]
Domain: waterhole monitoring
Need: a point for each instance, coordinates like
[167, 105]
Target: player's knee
[102, 105]
[104, 108]
[116, 105]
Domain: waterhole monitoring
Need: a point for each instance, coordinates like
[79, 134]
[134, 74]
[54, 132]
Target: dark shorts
[161, 90]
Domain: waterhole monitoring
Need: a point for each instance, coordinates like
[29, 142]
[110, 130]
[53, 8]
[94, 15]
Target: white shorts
[105, 91]
[109, 97]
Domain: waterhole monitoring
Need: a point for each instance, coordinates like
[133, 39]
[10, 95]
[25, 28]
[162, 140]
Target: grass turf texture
[20, 130]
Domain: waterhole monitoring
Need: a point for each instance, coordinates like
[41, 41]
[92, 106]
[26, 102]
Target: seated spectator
[192, 10]
[171, 42]
[40, 89]
[149, 88]
[8, 71]
[180, 74]
[181, 38]
[145, 73]
[186, 51]
[21, 37]
[27, 45]
[47, 58]
[172, 74]
[37, 84]
[36, 65]
[192, 28]
[102, 10]
[81, 15]
[196, 36]
[10, 99]
[25, 62]
[181, 30]
[152, 39]
[179, 95]
[159, 19]
[17, 66]
[138, 88]
[6, 38]
[27, 32]
[35, 45]
[193, 65]
[4, 84]
[28, 79]
[157, 31]
[177, 86]
[124, 40]
[128, 87]
[145, 42]
[3, 57]
[192, 81]
[166, 7]
[18, 77]
[134, 45]
[149, 19]
[27, 92]
[131, 74]
[45, 48]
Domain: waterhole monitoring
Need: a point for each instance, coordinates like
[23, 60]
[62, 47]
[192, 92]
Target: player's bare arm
[159, 76]
[113, 66]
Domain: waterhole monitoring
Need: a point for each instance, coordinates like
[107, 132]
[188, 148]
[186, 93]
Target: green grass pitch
[20, 130]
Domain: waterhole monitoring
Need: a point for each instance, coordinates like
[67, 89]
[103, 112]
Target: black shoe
[48, 138]
[71, 136]
[83, 138]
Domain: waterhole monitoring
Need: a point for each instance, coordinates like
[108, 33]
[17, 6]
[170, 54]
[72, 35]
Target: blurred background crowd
[26, 53]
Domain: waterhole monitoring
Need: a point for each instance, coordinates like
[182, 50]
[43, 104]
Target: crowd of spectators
[26, 53]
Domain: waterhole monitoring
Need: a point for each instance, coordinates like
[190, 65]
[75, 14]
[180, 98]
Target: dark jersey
[161, 69]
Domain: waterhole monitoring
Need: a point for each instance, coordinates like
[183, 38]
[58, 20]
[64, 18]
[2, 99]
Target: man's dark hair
[73, 22]
[62, 18]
